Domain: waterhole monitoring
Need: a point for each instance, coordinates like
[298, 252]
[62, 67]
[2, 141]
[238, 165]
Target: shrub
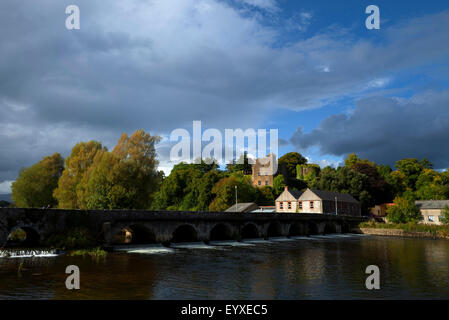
[445, 214]
[403, 211]
[74, 239]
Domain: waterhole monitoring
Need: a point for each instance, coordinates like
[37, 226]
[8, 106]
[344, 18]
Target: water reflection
[329, 268]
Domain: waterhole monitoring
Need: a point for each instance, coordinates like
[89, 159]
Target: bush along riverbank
[76, 242]
[410, 229]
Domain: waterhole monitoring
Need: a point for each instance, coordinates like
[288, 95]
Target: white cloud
[299, 21]
[5, 187]
[269, 5]
[378, 83]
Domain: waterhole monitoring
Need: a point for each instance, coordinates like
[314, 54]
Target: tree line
[92, 177]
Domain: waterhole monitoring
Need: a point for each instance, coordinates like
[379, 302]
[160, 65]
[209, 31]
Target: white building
[431, 210]
[317, 201]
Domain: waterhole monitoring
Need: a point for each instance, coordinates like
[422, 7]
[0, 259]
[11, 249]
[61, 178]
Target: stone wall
[396, 233]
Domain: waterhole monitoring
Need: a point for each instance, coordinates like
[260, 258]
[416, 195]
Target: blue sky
[350, 15]
[310, 69]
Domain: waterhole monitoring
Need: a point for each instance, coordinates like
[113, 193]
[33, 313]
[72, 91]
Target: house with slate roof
[288, 200]
[431, 210]
[317, 201]
[243, 207]
[328, 202]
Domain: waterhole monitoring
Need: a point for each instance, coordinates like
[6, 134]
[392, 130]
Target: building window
[300, 204]
[259, 183]
[281, 205]
[289, 205]
[266, 182]
[440, 218]
[430, 218]
[311, 204]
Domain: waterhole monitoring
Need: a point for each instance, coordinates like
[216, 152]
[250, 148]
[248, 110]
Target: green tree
[206, 165]
[311, 172]
[411, 168]
[35, 185]
[426, 163]
[4, 204]
[384, 171]
[290, 161]
[265, 196]
[241, 165]
[205, 185]
[188, 187]
[224, 191]
[278, 185]
[378, 189]
[445, 214]
[346, 180]
[398, 182]
[353, 159]
[431, 186]
[403, 211]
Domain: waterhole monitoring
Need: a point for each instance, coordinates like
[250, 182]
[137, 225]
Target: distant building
[265, 209]
[431, 210]
[327, 202]
[380, 210]
[317, 201]
[263, 171]
[288, 200]
[243, 207]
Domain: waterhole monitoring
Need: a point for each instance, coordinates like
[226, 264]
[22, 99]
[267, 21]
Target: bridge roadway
[135, 226]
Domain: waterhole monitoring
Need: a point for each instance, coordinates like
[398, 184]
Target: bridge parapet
[162, 226]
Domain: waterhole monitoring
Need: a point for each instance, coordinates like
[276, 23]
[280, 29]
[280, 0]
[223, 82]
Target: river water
[329, 267]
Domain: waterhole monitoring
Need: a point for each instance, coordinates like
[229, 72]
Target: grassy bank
[94, 253]
[441, 231]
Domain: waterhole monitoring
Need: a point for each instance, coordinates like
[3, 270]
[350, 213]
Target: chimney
[286, 188]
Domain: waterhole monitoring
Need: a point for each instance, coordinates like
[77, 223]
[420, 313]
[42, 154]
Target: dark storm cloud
[283, 142]
[158, 65]
[386, 130]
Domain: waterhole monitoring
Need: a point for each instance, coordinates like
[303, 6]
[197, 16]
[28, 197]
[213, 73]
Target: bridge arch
[220, 231]
[249, 231]
[312, 228]
[274, 229]
[24, 235]
[297, 229]
[134, 234]
[329, 227]
[345, 228]
[185, 233]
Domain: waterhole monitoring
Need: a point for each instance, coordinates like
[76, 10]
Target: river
[331, 267]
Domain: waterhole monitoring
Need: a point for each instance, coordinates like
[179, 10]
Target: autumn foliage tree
[126, 177]
[70, 187]
[34, 186]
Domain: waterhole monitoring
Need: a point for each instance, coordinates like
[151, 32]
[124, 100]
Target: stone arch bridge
[134, 226]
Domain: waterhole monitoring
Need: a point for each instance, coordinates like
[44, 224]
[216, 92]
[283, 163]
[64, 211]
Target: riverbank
[411, 230]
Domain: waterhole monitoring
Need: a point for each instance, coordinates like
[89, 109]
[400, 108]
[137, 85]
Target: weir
[115, 227]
